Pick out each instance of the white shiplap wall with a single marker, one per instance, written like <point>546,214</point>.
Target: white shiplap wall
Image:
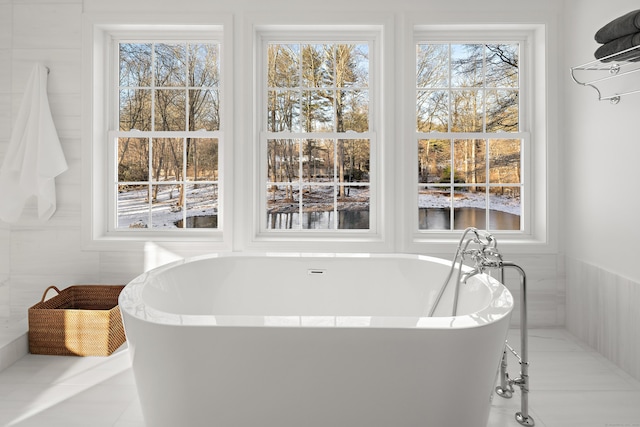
<point>601,234</point>
<point>603,310</point>
<point>34,255</point>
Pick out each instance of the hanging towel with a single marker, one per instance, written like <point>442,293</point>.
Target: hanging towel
<point>34,156</point>
<point>619,45</point>
<point>619,27</point>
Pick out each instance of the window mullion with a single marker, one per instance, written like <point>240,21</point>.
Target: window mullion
<point>184,181</point>
<point>450,97</point>
<point>300,182</point>
<point>153,87</point>
<point>452,180</point>
<point>187,123</point>
<point>487,184</point>
<point>336,188</point>
<point>319,135</point>
<point>150,183</point>
<point>487,193</point>
<point>485,88</point>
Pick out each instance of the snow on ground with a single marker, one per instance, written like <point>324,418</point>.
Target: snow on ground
<point>133,205</point>
<point>317,199</point>
<point>437,199</point>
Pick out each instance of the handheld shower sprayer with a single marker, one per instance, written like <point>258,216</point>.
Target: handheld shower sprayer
<point>481,248</point>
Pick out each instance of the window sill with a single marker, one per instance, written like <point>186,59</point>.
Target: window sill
<point>188,244</point>
<point>507,243</point>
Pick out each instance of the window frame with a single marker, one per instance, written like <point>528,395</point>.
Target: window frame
<point>115,133</point>
<point>533,236</point>
<point>396,184</point>
<point>354,32</point>
<point>101,34</point>
<point>478,38</point>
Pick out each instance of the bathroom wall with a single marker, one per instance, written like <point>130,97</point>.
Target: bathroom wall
<point>34,255</point>
<point>5,131</point>
<point>601,155</point>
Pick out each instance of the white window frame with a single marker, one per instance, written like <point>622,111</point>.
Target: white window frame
<point>523,135</point>
<point>533,236</point>
<point>100,80</point>
<point>361,29</point>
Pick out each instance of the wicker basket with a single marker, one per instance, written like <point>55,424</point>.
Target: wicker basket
<point>82,320</point>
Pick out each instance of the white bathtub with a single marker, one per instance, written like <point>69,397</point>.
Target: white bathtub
<point>238,340</point>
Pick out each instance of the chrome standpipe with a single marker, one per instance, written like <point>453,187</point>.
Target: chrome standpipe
<point>505,389</point>
<point>481,248</point>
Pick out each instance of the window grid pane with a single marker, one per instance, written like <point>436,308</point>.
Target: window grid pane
<point>157,188</point>
<point>164,181</point>
<point>453,189</point>
<point>472,90</point>
<point>317,183</point>
<point>333,175</point>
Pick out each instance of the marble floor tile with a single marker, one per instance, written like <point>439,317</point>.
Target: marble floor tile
<point>605,408</point>
<point>571,386</point>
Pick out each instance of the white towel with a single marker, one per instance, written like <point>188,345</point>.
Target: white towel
<point>34,157</point>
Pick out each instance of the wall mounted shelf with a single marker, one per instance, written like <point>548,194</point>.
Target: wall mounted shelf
<point>609,76</point>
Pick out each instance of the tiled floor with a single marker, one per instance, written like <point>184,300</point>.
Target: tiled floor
<point>571,386</point>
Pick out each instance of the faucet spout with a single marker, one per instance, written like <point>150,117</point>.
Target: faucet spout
<point>481,248</point>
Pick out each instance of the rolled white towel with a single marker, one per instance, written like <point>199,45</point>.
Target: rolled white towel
<point>34,156</point>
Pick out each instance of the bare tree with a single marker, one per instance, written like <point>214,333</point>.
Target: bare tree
<point>168,87</point>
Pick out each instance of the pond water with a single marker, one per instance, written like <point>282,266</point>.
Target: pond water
<point>440,219</point>
<point>429,219</point>
<point>203,221</point>
<point>352,220</point>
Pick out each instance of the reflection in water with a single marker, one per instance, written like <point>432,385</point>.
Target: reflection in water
<point>430,219</point>
<point>319,220</point>
<point>204,221</point>
<point>440,219</point>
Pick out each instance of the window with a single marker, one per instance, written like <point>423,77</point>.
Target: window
<point>157,121</point>
<point>167,145</point>
<point>336,148</point>
<point>471,141</point>
<point>318,139</point>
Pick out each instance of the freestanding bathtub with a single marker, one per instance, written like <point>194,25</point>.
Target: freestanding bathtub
<point>297,340</point>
